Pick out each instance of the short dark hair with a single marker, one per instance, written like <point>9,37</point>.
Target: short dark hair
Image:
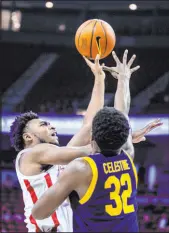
<point>110,129</point>
<point>17,128</point>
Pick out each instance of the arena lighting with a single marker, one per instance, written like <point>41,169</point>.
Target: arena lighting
<point>49,4</point>
<point>14,16</point>
<point>69,125</point>
<point>62,27</point>
<point>17,25</point>
<point>133,7</point>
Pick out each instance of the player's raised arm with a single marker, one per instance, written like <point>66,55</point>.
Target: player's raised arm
<point>50,154</point>
<point>96,103</point>
<point>67,182</point>
<point>123,72</point>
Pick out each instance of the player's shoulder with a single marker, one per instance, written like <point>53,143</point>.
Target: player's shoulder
<point>32,154</point>
<point>80,165</point>
<point>41,147</point>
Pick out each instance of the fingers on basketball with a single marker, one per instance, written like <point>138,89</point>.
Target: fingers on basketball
<point>97,60</point>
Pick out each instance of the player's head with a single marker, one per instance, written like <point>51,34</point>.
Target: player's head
<point>27,130</point>
<point>110,129</point>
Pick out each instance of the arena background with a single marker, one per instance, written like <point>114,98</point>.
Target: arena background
<point>41,70</point>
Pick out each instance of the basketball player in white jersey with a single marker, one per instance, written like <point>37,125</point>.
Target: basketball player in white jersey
<point>40,159</point>
<point>38,146</point>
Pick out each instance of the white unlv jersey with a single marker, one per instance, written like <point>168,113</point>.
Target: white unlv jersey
<point>33,188</point>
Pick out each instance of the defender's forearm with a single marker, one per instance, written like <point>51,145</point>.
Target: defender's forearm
<point>122,96</point>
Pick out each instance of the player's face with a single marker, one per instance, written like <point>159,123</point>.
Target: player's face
<point>43,131</point>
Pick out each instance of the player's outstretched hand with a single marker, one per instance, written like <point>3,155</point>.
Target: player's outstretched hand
<point>95,67</point>
<point>122,68</point>
<point>139,135</point>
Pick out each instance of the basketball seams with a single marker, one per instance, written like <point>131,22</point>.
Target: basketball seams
<point>108,37</point>
<point>105,37</point>
<point>91,42</point>
<point>78,40</point>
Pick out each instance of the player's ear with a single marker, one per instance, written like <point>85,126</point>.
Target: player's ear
<point>27,137</point>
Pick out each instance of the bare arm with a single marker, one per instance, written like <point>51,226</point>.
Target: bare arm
<point>55,195</point>
<point>122,97</point>
<point>123,73</point>
<point>97,98</point>
<point>122,103</point>
<point>50,154</point>
<point>96,103</point>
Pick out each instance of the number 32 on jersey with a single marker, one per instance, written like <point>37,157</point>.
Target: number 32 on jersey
<point>120,200</point>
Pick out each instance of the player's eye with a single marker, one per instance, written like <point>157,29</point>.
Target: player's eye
<point>44,123</point>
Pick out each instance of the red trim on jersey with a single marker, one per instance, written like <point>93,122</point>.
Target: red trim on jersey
<point>49,184</point>
<point>33,221</point>
<point>31,190</point>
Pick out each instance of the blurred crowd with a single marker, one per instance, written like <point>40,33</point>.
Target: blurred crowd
<point>12,210</point>
<point>67,85</point>
<point>64,106</point>
<point>153,218</point>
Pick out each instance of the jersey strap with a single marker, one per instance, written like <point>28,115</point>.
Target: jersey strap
<point>93,183</point>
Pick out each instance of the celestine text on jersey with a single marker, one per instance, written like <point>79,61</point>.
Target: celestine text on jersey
<point>116,166</point>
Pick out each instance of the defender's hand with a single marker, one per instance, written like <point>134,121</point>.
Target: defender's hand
<point>95,67</point>
<point>122,68</point>
<point>139,135</point>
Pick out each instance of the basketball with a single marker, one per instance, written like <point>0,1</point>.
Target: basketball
<point>94,37</point>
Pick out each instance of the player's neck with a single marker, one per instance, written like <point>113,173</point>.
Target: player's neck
<point>30,145</point>
<point>109,152</point>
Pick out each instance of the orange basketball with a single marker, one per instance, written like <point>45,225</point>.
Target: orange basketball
<point>94,37</point>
